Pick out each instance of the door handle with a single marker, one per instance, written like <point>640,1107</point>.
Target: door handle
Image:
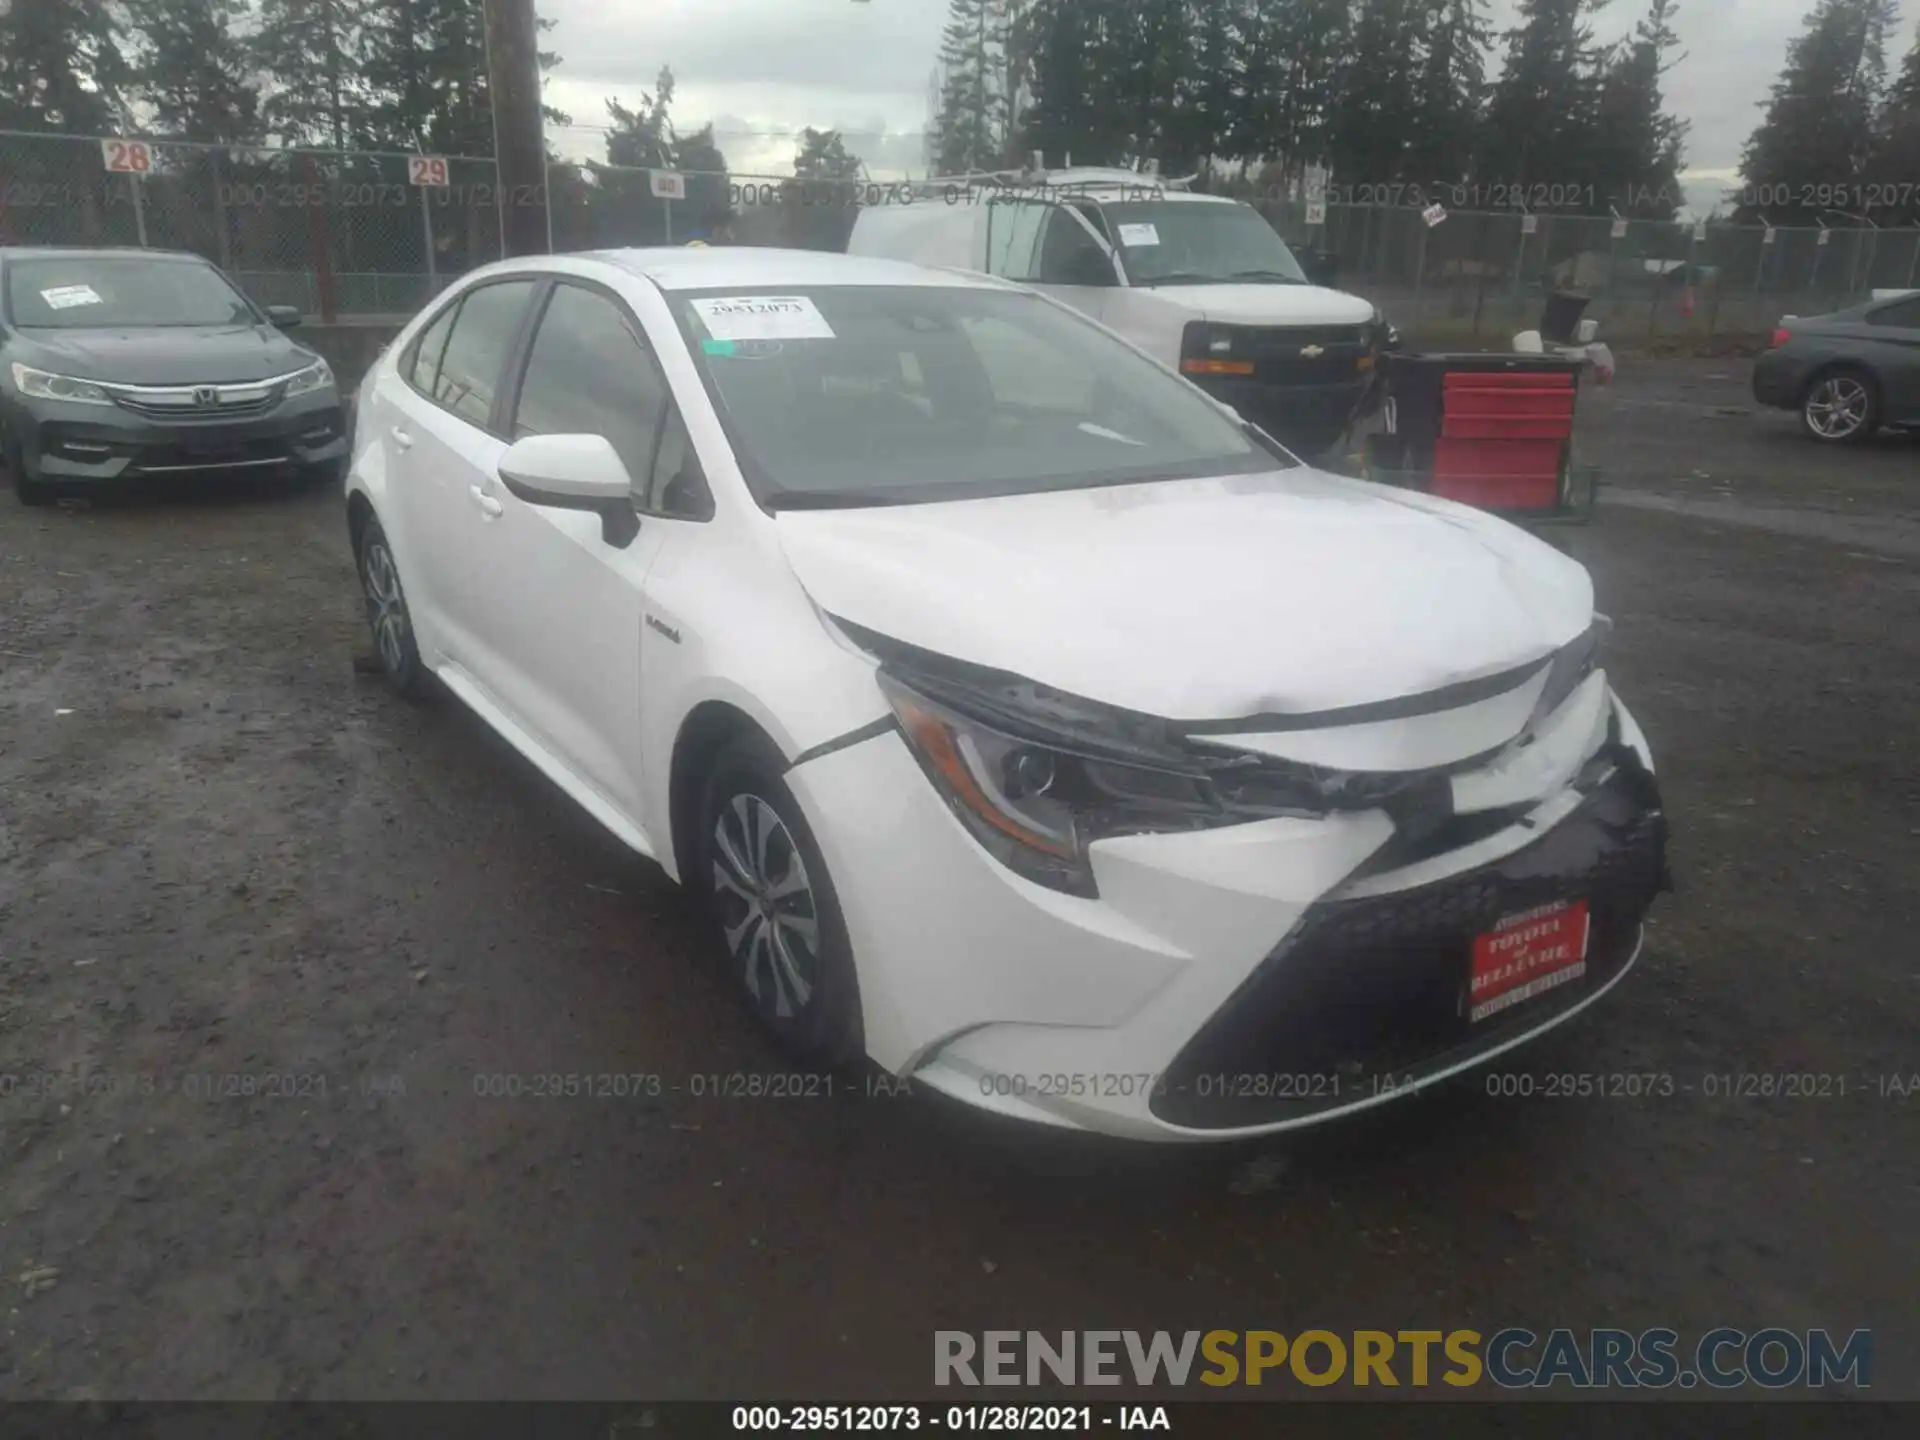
<point>401,438</point>
<point>489,506</point>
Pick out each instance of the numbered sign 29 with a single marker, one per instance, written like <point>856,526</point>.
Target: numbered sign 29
<point>127,157</point>
<point>427,170</point>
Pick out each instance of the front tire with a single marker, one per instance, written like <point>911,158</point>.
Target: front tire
<point>1841,407</point>
<point>764,883</point>
<point>30,489</point>
<point>387,614</point>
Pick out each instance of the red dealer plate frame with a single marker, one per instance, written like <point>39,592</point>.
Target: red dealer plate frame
<point>1526,956</point>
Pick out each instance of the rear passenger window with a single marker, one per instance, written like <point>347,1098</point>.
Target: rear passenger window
<point>476,354</point>
<point>426,355</point>
<point>1903,314</point>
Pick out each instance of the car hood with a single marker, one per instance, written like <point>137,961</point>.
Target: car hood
<point>165,355</point>
<point>1288,592</point>
<point>1274,304</point>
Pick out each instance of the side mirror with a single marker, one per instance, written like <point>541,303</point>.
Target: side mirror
<point>1322,267</point>
<point>574,472</point>
<point>285,316</point>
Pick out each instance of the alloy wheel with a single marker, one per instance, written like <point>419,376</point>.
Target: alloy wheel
<point>386,607</point>
<point>1837,407</point>
<point>767,907</point>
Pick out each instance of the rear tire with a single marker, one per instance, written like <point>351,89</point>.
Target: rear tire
<point>761,879</point>
<point>1840,407</point>
<point>388,616</point>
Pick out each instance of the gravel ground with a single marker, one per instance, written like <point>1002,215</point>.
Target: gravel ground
<point>223,853</point>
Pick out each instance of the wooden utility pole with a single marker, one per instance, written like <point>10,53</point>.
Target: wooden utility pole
<point>519,140</point>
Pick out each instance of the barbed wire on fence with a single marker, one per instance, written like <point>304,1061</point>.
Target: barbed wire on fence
<point>358,233</point>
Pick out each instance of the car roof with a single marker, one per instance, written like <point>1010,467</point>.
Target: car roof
<point>95,252</point>
<point>756,267</point>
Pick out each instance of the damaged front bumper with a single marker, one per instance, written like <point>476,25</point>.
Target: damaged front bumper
<point>1369,995</point>
<point>1255,976</point>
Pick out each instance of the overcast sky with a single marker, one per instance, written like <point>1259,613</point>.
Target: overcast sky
<point>761,69</point>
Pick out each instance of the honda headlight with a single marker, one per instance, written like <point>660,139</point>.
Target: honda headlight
<point>41,385</point>
<point>317,376</point>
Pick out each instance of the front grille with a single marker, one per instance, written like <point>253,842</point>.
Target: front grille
<point>1370,990</point>
<point>1277,359</point>
<point>224,410</point>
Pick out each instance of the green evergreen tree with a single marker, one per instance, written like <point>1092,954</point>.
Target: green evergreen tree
<point>194,70</point>
<point>1377,106</point>
<point>1542,122</point>
<point>1061,40</point>
<point>62,67</point>
<point>1639,143</point>
<point>821,200</point>
<point>310,52</point>
<point>1893,174</point>
<point>1451,93</point>
<point>1294,51</point>
<point>970,132</point>
<point>1820,123</point>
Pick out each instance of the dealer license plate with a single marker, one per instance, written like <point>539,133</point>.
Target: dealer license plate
<point>1526,955</point>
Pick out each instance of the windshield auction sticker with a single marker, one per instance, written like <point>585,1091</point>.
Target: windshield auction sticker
<point>65,297</point>
<point>1136,237</point>
<point>763,317</point>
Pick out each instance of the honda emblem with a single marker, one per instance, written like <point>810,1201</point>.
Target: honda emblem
<point>206,395</point>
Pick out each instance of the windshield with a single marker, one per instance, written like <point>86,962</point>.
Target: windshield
<point>91,292</point>
<point>1195,242</point>
<point>864,395</point>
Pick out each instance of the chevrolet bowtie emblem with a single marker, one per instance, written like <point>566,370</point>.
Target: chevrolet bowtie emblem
<point>1312,352</point>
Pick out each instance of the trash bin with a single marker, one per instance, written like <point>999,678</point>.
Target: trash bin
<point>1560,317</point>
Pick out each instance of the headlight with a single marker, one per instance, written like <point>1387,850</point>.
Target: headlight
<point>44,386</point>
<point>1036,805</point>
<point>317,376</point>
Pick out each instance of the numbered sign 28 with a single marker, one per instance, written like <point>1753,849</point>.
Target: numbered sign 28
<point>127,157</point>
<point>427,170</point>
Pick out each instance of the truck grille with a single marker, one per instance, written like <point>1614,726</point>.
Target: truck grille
<point>1280,357</point>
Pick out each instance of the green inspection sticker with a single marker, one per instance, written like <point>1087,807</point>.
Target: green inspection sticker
<point>718,347</point>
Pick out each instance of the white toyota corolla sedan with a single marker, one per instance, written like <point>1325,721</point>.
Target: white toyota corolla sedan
<point>1024,720</point>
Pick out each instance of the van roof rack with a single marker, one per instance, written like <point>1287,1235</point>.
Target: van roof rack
<point>1079,178</point>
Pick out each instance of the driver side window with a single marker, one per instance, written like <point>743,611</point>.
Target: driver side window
<point>1071,256</point>
<point>588,373</point>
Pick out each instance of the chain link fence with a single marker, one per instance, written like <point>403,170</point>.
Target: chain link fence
<point>373,235</point>
<point>1489,273</point>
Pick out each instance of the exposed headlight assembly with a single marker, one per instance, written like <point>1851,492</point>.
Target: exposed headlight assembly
<point>43,385</point>
<point>1569,670</point>
<point>317,376</point>
<point>1036,804</point>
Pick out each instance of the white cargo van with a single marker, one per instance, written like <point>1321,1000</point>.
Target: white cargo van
<point>1201,282</point>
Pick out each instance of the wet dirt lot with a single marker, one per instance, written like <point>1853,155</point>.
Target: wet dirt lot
<point>225,854</point>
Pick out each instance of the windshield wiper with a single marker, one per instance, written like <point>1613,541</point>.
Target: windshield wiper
<point>1180,277</point>
<point>1279,275</point>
